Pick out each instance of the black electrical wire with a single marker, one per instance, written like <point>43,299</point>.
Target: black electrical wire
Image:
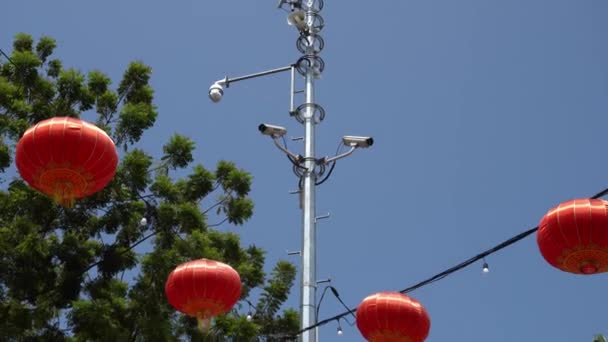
<point>297,168</point>
<point>320,301</point>
<point>331,169</point>
<point>13,63</point>
<point>291,159</point>
<point>7,57</point>
<point>448,271</point>
<point>337,295</point>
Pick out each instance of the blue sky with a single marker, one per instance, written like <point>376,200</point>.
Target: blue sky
<point>485,115</point>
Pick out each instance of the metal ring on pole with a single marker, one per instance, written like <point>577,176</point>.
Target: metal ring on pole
<point>315,5</point>
<point>318,112</point>
<point>303,43</point>
<point>315,24</point>
<point>310,61</point>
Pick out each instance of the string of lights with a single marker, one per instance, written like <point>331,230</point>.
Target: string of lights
<point>445,273</point>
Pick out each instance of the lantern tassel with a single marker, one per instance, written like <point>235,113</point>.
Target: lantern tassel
<point>63,195</point>
<point>204,322</point>
<point>67,202</point>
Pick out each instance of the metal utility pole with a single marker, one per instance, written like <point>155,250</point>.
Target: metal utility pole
<point>308,302</point>
<point>305,16</point>
<point>313,62</point>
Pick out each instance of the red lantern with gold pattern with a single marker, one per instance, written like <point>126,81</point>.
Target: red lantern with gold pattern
<point>66,158</point>
<point>574,236</point>
<point>392,317</point>
<point>203,289</point>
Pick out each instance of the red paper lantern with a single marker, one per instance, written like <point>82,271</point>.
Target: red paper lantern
<point>203,289</point>
<point>66,158</point>
<point>392,317</point>
<point>574,236</point>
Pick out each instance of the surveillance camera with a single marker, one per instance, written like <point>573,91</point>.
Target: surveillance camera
<point>297,19</point>
<point>272,130</point>
<point>355,141</point>
<point>216,91</point>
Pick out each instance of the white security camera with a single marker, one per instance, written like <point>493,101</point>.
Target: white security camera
<point>297,19</point>
<point>354,141</point>
<point>216,91</point>
<point>272,130</point>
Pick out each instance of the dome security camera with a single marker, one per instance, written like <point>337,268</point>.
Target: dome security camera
<point>216,91</point>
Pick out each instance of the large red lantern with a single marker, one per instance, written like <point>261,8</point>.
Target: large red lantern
<point>392,317</point>
<point>203,289</point>
<point>574,236</point>
<point>66,158</point>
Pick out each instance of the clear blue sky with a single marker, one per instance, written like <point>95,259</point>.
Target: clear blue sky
<point>485,114</point>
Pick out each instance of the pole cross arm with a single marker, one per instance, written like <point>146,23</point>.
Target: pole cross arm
<point>216,91</point>
<point>295,157</point>
<point>327,160</point>
<point>258,74</point>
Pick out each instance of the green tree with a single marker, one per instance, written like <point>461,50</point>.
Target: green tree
<point>62,270</point>
<point>599,338</point>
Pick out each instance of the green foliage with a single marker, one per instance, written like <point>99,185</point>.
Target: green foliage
<point>138,112</point>
<point>5,156</point>
<point>273,296</point>
<point>134,170</point>
<point>54,68</point>
<point>199,184</point>
<point>599,338</point>
<point>45,48</point>
<point>23,42</point>
<point>96,272</point>
<point>266,320</point>
<point>98,83</point>
<point>178,151</point>
<point>133,120</point>
<point>71,92</point>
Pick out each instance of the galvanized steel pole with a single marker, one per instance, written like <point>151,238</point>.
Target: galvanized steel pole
<point>309,231</point>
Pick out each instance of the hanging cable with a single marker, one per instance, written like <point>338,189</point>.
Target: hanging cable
<point>335,293</point>
<point>450,270</point>
<point>321,300</point>
<point>331,169</point>
<point>7,57</point>
<point>295,163</point>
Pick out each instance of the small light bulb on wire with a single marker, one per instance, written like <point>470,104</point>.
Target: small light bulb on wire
<point>340,332</point>
<point>485,268</point>
<point>143,221</point>
<point>249,316</point>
